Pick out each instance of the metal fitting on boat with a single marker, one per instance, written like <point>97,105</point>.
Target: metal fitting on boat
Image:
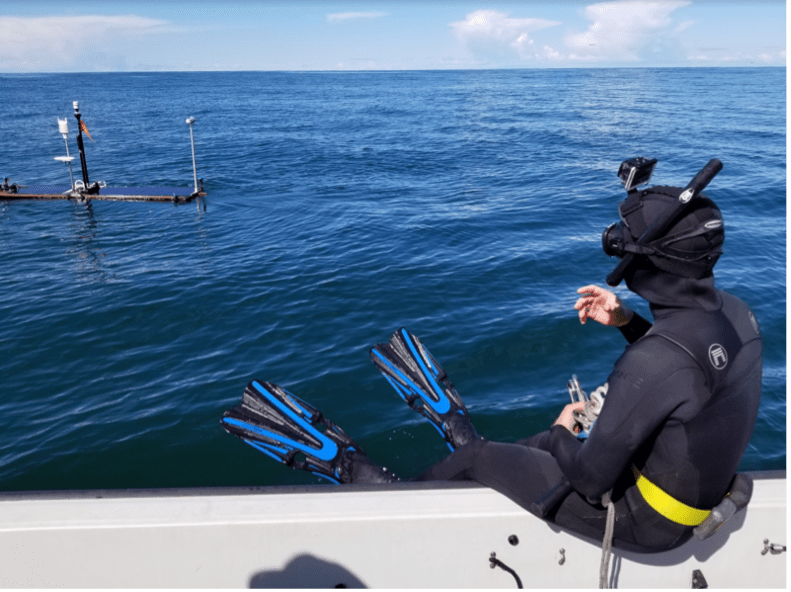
<point>772,548</point>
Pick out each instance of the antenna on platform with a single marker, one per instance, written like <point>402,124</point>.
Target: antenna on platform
<point>87,188</point>
<point>63,128</point>
<point>190,121</point>
<point>80,144</point>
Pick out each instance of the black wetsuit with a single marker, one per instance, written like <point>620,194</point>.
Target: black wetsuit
<point>669,411</point>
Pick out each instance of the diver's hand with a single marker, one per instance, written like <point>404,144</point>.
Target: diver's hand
<point>566,417</point>
<point>602,306</point>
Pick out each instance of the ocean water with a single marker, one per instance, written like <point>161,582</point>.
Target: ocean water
<point>467,206</point>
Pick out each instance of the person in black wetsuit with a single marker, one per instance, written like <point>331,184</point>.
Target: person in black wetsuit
<point>681,401</point>
<point>681,404</point>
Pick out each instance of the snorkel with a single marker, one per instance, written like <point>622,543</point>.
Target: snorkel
<point>637,171</point>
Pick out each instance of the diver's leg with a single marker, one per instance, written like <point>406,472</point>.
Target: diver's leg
<point>539,440</point>
<point>525,474</point>
<point>456,466</point>
<point>521,473</point>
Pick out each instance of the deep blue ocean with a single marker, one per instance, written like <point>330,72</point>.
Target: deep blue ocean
<point>467,206</point>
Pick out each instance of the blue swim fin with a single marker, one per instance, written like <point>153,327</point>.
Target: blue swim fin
<point>419,379</point>
<point>279,424</point>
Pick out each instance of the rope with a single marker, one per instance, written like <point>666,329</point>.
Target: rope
<point>606,546</point>
<point>586,417</point>
<point>593,404</point>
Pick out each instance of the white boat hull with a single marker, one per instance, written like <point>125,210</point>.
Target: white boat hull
<point>404,536</point>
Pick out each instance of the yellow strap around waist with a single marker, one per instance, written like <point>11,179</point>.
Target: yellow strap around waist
<point>667,505</point>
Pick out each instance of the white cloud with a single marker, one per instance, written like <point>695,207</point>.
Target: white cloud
<point>732,56</point>
<point>490,23</point>
<point>59,42</point>
<point>582,58</point>
<point>346,16</point>
<point>630,30</point>
<point>550,54</point>
<point>495,34</point>
<point>773,57</point>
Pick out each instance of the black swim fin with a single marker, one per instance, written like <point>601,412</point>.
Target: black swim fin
<point>279,424</point>
<point>419,379</point>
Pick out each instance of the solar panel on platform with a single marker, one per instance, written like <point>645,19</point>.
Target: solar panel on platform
<point>43,189</point>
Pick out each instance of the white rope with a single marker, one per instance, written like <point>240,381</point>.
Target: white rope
<point>606,546</point>
<point>585,418</point>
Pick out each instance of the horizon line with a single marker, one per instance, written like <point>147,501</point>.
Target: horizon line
<point>362,70</point>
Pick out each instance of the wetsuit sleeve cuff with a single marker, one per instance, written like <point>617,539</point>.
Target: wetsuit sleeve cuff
<point>635,329</point>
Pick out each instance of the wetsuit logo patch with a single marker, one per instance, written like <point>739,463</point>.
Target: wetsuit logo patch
<point>718,356</point>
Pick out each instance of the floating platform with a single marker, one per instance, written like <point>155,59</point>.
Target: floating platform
<point>163,194</point>
<point>82,189</point>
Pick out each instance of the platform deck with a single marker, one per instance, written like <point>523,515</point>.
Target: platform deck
<point>180,194</point>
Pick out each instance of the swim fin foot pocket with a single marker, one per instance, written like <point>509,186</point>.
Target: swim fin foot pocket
<point>419,379</point>
<point>286,428</point>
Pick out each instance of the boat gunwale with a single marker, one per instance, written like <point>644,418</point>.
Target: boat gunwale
<point>317,488</point>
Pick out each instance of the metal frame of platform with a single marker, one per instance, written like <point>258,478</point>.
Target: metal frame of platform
<point>162,194</point>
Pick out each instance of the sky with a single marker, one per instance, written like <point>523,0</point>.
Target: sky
<point>204,35</point>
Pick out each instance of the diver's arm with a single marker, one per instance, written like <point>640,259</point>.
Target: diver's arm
<point>644,390</point>
<point>635,328</point>
<point>566,417</point>
<point>604,307</point>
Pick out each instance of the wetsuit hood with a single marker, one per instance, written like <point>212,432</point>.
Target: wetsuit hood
<point>675,270</point>
<point>665,290</point>
<point>689,247</point>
